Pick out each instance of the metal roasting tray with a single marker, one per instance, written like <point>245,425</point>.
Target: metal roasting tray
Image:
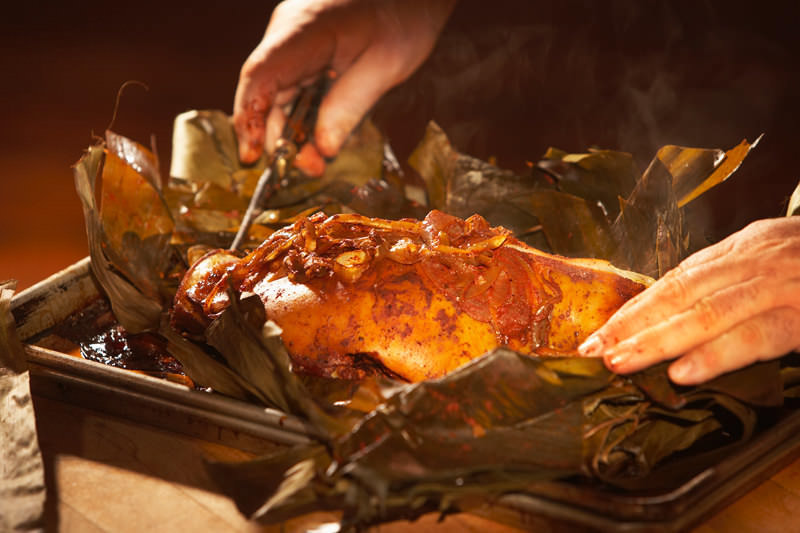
<point>553,506</point>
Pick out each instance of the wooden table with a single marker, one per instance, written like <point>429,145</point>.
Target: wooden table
<point>109,474</point>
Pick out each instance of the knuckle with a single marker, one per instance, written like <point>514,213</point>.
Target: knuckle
<point>751,293</point>
<point>759,227</point>
<point>751,334</point>
<point>768,233</point>
<point>708,312</point>
<point>787,254</point>
<point>676,285</point>
<point>785,328</point>
<point>285,12</point>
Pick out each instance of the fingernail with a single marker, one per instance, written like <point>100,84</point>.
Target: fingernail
<point>680,371</point>
<point>326,143</point>
<point>249,152</point>
<point>591,347</point>
<point>329,140</point>
<point>618,359</point>
<point>309,161</point>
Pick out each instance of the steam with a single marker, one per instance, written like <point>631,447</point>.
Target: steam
<point>514,78</point>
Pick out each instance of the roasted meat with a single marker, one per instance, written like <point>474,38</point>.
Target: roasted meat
<point>412,299</point>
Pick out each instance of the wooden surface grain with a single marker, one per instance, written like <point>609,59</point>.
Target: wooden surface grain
<point>110,475</point>
<point>106,474</point>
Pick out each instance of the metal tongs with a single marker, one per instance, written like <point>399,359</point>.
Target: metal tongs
<point>296,132</point>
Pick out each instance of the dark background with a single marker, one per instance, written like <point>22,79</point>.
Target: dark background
<point>507,79</point>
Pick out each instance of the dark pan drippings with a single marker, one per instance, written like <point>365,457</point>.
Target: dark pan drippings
<point>94,334</point>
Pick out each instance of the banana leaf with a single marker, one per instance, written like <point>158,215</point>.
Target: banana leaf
<point>500,424</point>
<point>597,176</point>
<point>794,203</point>
<point>790,375</point>
<point>204,150</point>
<point>134,301</point>
<point>650,231</point>
<point>593,204</point>
<point>583,232</point>
<point>689,185</point>
<point>218,187</point>
<point>463,185</point>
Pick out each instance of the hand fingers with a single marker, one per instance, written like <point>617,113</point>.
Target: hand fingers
<point>404,35</point>
<point>283,59</point>
<point>353,94</point>
<point>309,161</point>
<point>681,288</point>
<point>760,338</point>
<point>274,127</point>
<point>698,275</point>
<point>710,317</point>
<point>727,263</point>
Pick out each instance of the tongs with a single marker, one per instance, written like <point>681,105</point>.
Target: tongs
<point>296,132</point>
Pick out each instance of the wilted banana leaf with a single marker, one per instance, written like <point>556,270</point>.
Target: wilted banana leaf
<point>633,435</point>
<point>689,185</point>
<point>794,203</point>
<point>206,370</point>
<point>597,205</point>
<point>477,418</point>
<point>463,185</point>
<point>573,226</point>
<point>649,229</point>
<point>136,310</point>
<point>650,232</point>
<point>597,176</point>
<point>433,442</point>
<point>136,220</point>
<point>572,199</point>
<point>360,159</point>
<point>689,167</point>
<point>498,425</point>
<point>259,357</point>
<point>205,158</point>
<point>204,150</point>
<point>790,375</point>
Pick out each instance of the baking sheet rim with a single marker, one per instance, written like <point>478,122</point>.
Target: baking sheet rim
<point>680,507</point>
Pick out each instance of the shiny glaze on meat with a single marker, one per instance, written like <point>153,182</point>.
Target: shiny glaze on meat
<point>416,298</point>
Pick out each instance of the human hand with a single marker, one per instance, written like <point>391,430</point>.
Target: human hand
<point>370,45</point>
<point>727,306</point>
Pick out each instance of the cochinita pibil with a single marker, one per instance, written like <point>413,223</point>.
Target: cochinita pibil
<point>413,299</point>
